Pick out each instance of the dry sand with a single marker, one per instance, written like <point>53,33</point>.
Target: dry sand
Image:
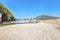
<point>39,31</point>
<point>53,21</point>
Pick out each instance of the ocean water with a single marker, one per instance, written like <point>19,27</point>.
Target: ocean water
<point>24,23</point>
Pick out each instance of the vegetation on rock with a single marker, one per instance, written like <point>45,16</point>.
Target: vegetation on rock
<point>6,15</point>
<point>45,17</point>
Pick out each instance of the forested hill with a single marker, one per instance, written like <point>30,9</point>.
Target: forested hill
<point>45,17</point>
<point>6,14</point>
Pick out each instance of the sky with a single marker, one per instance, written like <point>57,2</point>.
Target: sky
<point>32,8</point>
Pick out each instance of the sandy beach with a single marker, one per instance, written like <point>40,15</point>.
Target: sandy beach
<point>38,31</point>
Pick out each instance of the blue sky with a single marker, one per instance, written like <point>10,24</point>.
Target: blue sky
<point>32,8</point>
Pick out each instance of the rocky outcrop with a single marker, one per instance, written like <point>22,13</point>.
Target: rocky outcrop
<point>6,15</point>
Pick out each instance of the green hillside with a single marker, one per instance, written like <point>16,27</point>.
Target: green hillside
<point>45,17</point>
<point>6,15</point>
